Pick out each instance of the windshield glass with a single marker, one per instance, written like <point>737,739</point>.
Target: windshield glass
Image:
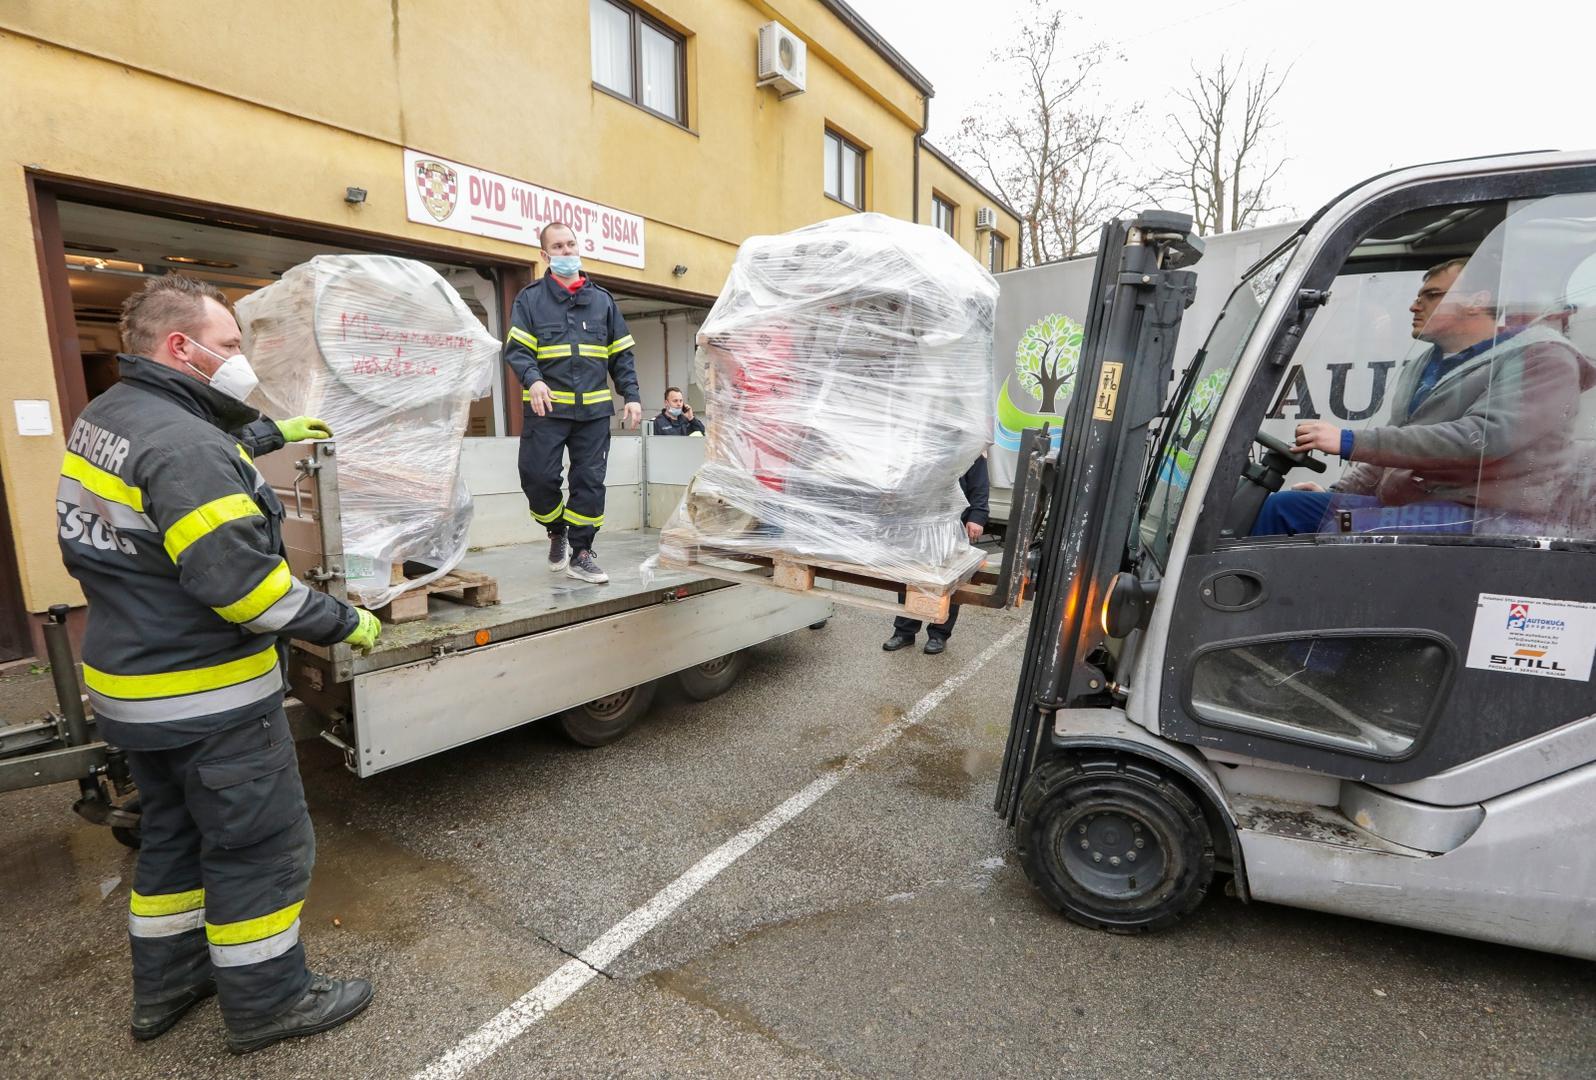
<point>1186,431</point>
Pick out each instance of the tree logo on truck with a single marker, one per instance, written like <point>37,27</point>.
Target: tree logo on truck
<point>1047,356</point>
<point>1045,361</point>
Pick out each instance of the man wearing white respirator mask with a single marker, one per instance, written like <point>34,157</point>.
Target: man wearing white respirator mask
<point>176,539</point>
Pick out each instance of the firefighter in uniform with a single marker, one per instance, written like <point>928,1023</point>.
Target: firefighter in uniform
<point>567,341</point>
<point>177,542</point>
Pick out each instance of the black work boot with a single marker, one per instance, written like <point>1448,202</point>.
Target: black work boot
<point>898,641</point>
<point>157,1019</point>
<point>326,1004</point>
<point>935,645</point>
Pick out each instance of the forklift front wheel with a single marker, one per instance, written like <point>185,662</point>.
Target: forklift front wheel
<point>1113,843</point>
<point>605,719</point>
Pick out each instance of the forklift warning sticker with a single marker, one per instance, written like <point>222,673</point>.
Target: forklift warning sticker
<point>1107,392</point>
<point>1526,635</point>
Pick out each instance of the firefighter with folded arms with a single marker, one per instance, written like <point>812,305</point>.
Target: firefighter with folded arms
<point>567,341</point>
<point>177,542</point>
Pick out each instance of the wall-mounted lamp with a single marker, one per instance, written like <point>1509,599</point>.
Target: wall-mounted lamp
<point>678,270</point>
<point>354,196</point>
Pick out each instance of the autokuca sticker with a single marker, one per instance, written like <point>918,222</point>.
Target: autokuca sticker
<point>1529,635</point>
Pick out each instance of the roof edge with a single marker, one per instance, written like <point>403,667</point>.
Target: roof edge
<point>959,171</point>
<point>855,22</point>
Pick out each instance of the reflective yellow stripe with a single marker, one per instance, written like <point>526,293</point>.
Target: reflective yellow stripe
<point>582,519</point>
<point>521,336</point>
<point>596,396</point>
<point>598,351</point>
<point>167,903</point>
<point>207,519</point>
<point>107,486</point>
<point>564,397</point>
<point>174,683</point>
<point>621,344</point>
<point>544,519</point>
<point>273,587</point>
<point>244,454</point>
<point>240,933</point>
<point>549,352</point>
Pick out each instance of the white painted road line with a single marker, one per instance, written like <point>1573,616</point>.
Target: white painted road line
<point>571,976</point>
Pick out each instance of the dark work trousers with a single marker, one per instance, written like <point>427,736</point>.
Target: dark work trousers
<point>544,441</point>
<point>941,630</point>
<point>222,871</point>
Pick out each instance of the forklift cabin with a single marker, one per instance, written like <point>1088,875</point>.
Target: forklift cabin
<point>1384,709</point>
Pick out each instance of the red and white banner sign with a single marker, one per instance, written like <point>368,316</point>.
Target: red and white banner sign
<point>470,200</point>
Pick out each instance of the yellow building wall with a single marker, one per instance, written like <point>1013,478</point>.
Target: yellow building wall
<point>277,108</point>
<point>937,179</point>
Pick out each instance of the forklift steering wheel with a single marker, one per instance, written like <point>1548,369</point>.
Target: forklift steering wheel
<point>1299,459</point>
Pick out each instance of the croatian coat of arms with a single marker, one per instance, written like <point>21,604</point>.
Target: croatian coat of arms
<point>438,185</point>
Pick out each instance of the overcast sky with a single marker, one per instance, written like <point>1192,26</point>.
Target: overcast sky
<point>1374,83</point>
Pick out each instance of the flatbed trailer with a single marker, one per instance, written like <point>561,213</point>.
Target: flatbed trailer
<point>552,646</point>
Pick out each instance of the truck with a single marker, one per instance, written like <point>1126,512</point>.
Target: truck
<point>1386,713</point>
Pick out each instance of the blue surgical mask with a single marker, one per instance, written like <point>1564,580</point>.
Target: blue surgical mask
<point>566,266</point>
<point>672,413</point>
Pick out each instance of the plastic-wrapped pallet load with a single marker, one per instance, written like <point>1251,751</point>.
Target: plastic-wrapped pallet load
<point>847,371</point>
<point>386,352</point>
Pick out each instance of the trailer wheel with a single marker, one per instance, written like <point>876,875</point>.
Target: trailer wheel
<point>605,719</point>
<point>128,835</point>
<point>1113,843</point>
<point>713,678</point>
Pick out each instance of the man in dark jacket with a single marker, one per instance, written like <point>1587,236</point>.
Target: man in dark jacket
<point>677,418</point>
<point>176,539</point>
<point>977,488</point>
<point>567,341</point>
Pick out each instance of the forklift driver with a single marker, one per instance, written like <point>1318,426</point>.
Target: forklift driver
<point>1479,438</point>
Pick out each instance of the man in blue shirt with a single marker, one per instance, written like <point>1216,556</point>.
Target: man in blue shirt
<point>1480,423</point>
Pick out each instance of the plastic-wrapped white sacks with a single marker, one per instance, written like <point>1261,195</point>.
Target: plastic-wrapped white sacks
<point>386,352</point>
<point>847,372</point>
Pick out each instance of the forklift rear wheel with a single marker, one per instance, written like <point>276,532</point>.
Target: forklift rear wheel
<point>128,835</point>
<point>713,678</point>
<point>1114,843</point>
<point>605,719</point>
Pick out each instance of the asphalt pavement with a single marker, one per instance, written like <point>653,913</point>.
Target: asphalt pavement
<point>883,930</point>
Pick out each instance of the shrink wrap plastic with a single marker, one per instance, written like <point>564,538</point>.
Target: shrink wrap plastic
<point>385,351</point>
<point>847,372</point>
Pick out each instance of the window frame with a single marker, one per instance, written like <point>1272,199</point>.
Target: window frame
<point>939,206</point>
<point>997,250</point>
<point>637,19</point>
<point>844,143</point>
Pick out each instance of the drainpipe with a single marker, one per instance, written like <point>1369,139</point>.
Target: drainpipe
<point>919,137</point>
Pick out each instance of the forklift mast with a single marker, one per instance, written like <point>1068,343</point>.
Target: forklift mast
<point>1141,286</point>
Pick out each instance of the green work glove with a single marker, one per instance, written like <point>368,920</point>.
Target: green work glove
<point>300,428</point>
<point>366,632</point>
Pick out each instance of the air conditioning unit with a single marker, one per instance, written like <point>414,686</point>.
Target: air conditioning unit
<point>985,218</point>
<point>782,61</point>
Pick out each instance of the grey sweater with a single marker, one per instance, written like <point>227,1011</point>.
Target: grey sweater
<point>1496,432</point>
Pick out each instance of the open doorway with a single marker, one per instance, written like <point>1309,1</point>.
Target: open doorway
<point>110,253</point>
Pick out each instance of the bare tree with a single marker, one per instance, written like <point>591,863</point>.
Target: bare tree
<point>1043,145</point>
<point>1224,148</point>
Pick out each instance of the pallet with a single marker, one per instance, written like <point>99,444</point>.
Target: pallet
<point>463,586</point>
<point>792,574</point>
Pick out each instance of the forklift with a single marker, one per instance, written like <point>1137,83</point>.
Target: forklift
<point>1388,714</point>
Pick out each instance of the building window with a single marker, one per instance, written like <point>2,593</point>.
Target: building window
<point>995,249</point>
<point>639,59</point>
<point>844,170</point>
<point>942,214</point>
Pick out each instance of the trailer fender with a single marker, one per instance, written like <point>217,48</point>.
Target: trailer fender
<point>1109,729</point>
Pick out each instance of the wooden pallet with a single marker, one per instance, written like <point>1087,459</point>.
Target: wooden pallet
<point>464,586</point>
<point>801,575</point>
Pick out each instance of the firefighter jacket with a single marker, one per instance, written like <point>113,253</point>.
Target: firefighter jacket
<point>574,342</point>
<point>176,539</point>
